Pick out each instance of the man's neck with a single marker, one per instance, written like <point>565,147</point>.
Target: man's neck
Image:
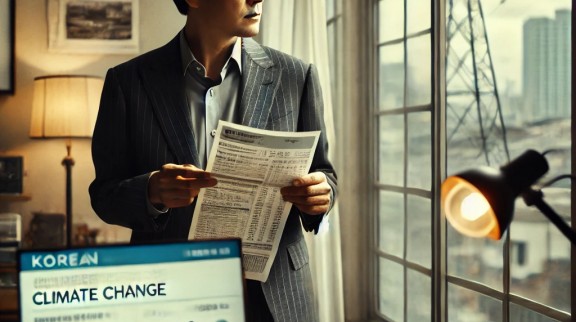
<point>211,51</point>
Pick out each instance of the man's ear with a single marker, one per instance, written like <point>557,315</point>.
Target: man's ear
<point>193,3</point>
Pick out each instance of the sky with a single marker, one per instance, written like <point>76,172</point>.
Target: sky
<point>504,20</point>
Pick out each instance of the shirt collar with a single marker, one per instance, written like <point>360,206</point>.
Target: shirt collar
<point>189,61</point>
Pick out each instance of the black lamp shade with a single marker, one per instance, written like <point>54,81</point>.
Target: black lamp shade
<point>480,202</point>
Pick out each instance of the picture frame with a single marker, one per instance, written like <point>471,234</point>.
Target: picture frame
<point>93,26</point>
<point>11,175</point>
<point>7,23</point>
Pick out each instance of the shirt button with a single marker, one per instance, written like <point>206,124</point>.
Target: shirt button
<point>211,92</point>
<point>213,133</point>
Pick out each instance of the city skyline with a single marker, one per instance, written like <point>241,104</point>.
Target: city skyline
<point>504,22</point>
<point>546,60</point>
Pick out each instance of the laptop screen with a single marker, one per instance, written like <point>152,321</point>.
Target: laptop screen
<point>185,281</point>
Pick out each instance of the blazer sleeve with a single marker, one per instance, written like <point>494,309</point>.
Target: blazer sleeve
<point>311,118</point>
<point>118,194</point>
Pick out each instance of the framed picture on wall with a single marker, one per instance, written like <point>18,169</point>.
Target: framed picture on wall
<point>93,26</point>
<point>11,174</point>
<point>7,17</point>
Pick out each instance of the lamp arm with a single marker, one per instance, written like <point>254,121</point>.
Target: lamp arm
<point>535,198</point>
<point>558,150</point>
<point>558,178</point>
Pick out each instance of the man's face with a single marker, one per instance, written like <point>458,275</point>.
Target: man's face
<point>236,18</point>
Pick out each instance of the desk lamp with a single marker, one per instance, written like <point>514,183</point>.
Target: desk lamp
<point>480,202</point>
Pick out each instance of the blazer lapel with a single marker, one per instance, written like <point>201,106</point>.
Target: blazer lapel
<point>163,80</point>
<point>259,84</point>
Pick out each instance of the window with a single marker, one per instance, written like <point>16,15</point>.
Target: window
<point>403,189</point>
<point>507,89</point>
<point>522,78</point>
<point>518,253</point>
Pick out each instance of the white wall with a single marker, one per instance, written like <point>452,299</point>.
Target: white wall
<point>159,21</point>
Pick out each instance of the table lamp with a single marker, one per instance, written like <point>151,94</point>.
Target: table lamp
<point>480,202</point>
<point>65,106</point>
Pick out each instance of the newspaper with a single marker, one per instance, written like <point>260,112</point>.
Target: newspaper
<point>251,166</point>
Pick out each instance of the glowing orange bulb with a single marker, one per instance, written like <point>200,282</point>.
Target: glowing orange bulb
<point>474,206</point>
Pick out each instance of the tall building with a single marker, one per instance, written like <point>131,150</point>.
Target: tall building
<point>546,67</point>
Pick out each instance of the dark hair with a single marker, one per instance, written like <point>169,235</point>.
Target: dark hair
<point>182,6</point>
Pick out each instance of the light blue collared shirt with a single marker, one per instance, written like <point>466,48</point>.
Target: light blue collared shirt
<point>210,100</point>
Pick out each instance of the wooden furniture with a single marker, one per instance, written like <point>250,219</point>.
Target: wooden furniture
<point>14,197</point>
<point>9,311</point>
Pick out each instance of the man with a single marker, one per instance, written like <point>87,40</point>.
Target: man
<point>154,132</point>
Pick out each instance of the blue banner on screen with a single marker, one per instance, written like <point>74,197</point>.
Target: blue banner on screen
<point>188,281</point>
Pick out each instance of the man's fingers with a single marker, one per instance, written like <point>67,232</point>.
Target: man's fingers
<point>311,193</point>
<point>185,171</point>
<point>309,201</point>
<point>177,185</point>
<point>188,183</point>
<point>310,179</point>
<point>179,194</point>
<point>314,190</point>
<point>198,183</point>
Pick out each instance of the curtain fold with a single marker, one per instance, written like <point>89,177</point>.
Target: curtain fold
<point>298,27</point>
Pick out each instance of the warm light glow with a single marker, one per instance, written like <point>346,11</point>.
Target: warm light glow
<point>480,202</point>
<point>474,206</point>
<point>65,106</point>
<point>467,210</point>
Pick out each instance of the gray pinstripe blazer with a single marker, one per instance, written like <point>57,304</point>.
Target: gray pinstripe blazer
<point>144,122</point>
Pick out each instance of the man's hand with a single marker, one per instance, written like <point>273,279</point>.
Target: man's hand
<point>310,193</point>
<point>177,185</point>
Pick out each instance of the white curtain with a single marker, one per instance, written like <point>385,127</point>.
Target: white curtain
<point>298,27</point>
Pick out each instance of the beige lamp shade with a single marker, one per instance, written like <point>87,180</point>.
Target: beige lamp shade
<point>65,106</point>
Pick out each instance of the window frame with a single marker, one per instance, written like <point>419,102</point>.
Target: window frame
<point>440,278</point>
<point>437,267</point>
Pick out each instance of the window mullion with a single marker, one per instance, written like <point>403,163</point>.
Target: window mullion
<point>439,284</point>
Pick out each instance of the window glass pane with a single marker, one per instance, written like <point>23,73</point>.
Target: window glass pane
<point>330,8</point>
<point>466,306</point>
<point>522,79</point>
<point>419,306</point>
<point>476,259</point>
<point>391,150</point>
<point>391,223</point>
<point>419,241</point>
<point>540,255</point>
<point>390,20</point>
<point>419,71</point>
<point>391,76</point>
<point>520,314</point>
<point>391,290</point>
<point>332,55</point>
<point>420,150</point>
<point>418,16</point>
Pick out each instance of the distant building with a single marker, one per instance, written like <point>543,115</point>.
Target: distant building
<point>546,76</point>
